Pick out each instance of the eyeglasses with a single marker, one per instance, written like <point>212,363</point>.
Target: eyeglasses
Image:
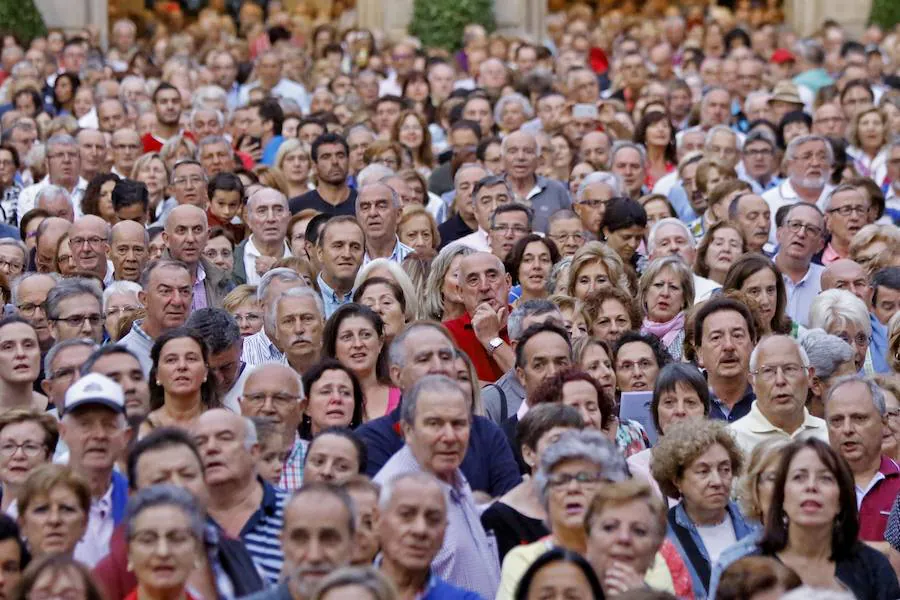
<point>628,365</point>
<point>860,339</point>
<point>77,320</point>
<point>278,400</point>
<point>769,372</point>
<point>893,413</point>
<point>758,153</point>
<point>28,308</point>
<point>29,449</point>
<point>562,237</point>
<point>796,226</point>
<point>182,181</point>
<point>581,478</point>
<point>593,203</point>
<point>93,241</point>
<point>846,211</point>
<point>64,372</point>
<point>12,265</point>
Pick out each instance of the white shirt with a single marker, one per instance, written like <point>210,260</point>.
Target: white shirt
<point>703,288</point>
<point>665,183</point>
<point>95,543</point>
<point>251,253</point>
<point>477,240</point>
<point>784,194</point>
<point>28,196</point>
<point>285,88</point>
<point>717,537</point>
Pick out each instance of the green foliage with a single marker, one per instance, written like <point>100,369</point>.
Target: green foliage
<point>885,13</point>
<point>22,18</point>
<point>440,23</point>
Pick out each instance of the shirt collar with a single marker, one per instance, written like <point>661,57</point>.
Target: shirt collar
<point>326,289</point>
<point>760,424</point>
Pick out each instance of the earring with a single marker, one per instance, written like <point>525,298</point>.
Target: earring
<point>129,567</point>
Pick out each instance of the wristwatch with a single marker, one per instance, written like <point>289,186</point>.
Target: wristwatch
<point>494,344</point>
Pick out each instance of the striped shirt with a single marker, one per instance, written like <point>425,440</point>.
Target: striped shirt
<point>292,473</point>
<point>262,532</point>
<point>259,350</point>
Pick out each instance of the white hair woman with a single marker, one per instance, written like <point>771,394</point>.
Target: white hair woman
<point>841,313</point>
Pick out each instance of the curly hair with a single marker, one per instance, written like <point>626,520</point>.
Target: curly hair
<point>683,443</point>
<point>593,303</point>
<point>593,252</point>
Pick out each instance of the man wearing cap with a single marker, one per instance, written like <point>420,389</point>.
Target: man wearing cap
<point>781,64</point>
<point>785,98</point>
<point>93,426</point>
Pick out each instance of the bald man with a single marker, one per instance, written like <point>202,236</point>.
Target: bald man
<point>128,250</point>
<point>185,235</point>
<point>268,216</point>
<point>89,242</point>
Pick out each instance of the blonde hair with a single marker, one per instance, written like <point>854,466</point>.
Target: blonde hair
<point>593,252</point>
<point>272,177</point>
<point>681,270</point>
<point>623,492</point>
<point>414,210</point>
<point>43,479</point>
<point>290,145</point>
<point>764,454</point>
<point>683,443</point>
<point>238,296</point>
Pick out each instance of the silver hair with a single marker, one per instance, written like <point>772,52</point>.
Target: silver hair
<point>207,93</point>
<point>505,141</point>
<point>560,266</point>
<point>14,286</point>
<point>591,446</point>
<point>401,278</point>
<point>59,347</point>
<point>844,187</point>
<point>386,494</point>
<point>754,356</point>
<point>530,308</point>
<point>286,368</point>
<point>50,192</point>
<point>623,145</point>
<point>250,200</point>
<point>433,301</point>
<point>439,384</point>
<point>165,495</point>
<point>465,167</point>
<point>68,288</point>
<point>679,137</point>
<point>722,129</point>
<point>836,308</point>
<point>795,143</point>
<point>604,177</point>
<point>251,436</point>
<point>826,352</point>
<point>61,139</point>
<point>875,392</point>
<point>220,118</point>
<point>19,245</point>
<point>213,139</point>
<point>279,273</point>
<point>397,350</point>
<point>651,239</point>
<point>295,292</point>
<point>395,197</point>
<point>513,98</point>
<point>121,287</point>
<point>373,173</point>
<point>360,127</point>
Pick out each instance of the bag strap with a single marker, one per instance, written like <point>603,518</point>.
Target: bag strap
<point>691,550</point>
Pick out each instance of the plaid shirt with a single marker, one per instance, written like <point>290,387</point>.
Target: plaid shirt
<point>292,473</point>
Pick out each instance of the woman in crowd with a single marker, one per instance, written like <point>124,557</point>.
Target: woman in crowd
<point>624,227</point>
<point>387,300</point>
<point>219,249</point>
<point>529,264</point>
<point>638,358</point>
<point>20,364</point>
<point>334,455</point>
<point>841,313</point>
<point>177,148</point>
<point>680,393</point>
<point>611,312</point>
<point>354,335</point>
<point>518,517</point>
<point>595,265</point>
<point>756,577</point>
<point>97,198</point>
<point>559,573</point>
<point>411,131</point>
<point>594,356</point>
<point>364,583</point>
<point>654,132</point>
<point>467,378</point>
<point>657,207</point>
<point>443,296</point>
<point>890,443</point>
<point>586,459</point>
<point>151,170</point>
<point>242,304</point>
<point>296,232</point>
<point>873,244</point>
<point>573,387</point>
<point>154,514</point>
<point>695,462</point>
<point>181,387</point>
<point>720,247</point>
<point>830,357</point>
<point>418,230</point>
<point>389,270</point>
<point>64,89</point>
<point>383,152</point>
<point>293,160</point>
<point>665,292</point>
<point>578,172</point>
<point>868,137</point>
<point>511,112</point>
<point>57,576</point>
<point>563,156</point>
<point>812,525</point>
<point>64,262</point>
<point>575,318</point>
<point>57,490</point>
<point>334,398</point>
<point>757,276</point>
<point>27,440</point>
<point>120,301</point>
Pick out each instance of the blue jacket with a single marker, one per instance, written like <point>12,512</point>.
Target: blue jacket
<point>489,464</point>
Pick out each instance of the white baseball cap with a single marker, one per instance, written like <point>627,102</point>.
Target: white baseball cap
<point>95,388</point>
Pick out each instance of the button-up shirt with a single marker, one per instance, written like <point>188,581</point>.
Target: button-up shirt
<point>28,196</point>
<point>199,299</point>
<point>399,252</point>
<point>292,472</point>
<point>756,428</point>
<point>801,295</point>
<point>875,501</point>
<point>251,253</point>
<point>259,349</point>
<point>468,556</point>
<point>719,411</point>
<point>95,543</point>
<point>330,299</point>
<point>784,194</point>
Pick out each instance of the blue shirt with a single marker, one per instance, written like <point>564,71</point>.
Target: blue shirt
<point>878,347</point>
<point>801,295</point>
<point>271,149</point>
<point>330,299</point>
<point>679,201</point>
<point>262,532</point>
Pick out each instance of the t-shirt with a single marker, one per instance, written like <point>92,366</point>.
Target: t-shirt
<point>717,537</point>
<point>312,199</point>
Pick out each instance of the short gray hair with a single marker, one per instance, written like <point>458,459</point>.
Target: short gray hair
<point>165,495</point>
<point>121,287</point>
<point>296,292</point>
<point>397,349</point>
<point>430,383</point>
<point>604,177</point>
<point>465,167</point>
<point>388,487</point>
<point>251,436</point>
<point>51,191</point>
<point>876,392</point>
<point>14,286</point>
<point>836,308</point>
<point>220,118</point>
<point>373,173</point>
<point>530,308</point>
<point>217,327</point>
<point>59,347</point>
<point>515,97</point>
<point>19,245</point>
<point>624,145</point>
<point>651,239</point>
<point>588,445</point>
<point>795,143</point>
<point>280,273</point>
<point>722,129</point>
<point>211,140</point>
<point>844,187</point>
<point>383,182</point>
<point>826,352</point>
<point>61,139</point>
<point>67,288</point>
<point>754,356</point>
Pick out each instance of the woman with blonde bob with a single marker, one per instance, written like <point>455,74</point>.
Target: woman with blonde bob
<point>665,292</point>
<point>382,267</point>
<point>872,243</point>
<point>293,160</point>
<point>443,297</point>
<point>418,230</point>
<point>596,265</point>
<point>841,313</point>
<point>53,488</point>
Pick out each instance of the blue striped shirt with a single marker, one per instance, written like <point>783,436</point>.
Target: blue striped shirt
<point>262,532</point>
<point>259,350</point>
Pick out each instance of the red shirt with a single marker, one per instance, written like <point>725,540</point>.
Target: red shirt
<point>876,504</point>
<point>464,336</point>
<point>153,144</point>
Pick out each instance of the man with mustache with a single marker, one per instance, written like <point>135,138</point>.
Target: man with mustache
<point>260,347</point>
<point>94,428</point>
<point>240,502</point>
<point>436,424</point>
<point>297,320</point>
<point>488,194</point>
<point>186,234</point>
<point>846,211</point>
<point>809,161</point>
<point>378,209</point>
<point>799,239</point>
<point>752,215</point>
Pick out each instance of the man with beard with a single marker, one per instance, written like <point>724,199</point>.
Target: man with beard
<point>378,209</point>
<point>846,211</point>
<point>809,159</point>
<point>129,250</point>
<point>333,196</point>
<point>185,235</point>
<point>167,106</point>
<point>89,242</point>
<point>751,213</point>
<point>521,155</point>
<point>340,250</point>
<point>799,239</point>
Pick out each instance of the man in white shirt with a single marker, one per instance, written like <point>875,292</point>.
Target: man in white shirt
<point>489,193</point>
<point>267,217</point>
<point>671,237</point>
<point>63,169</point>
<point>269,77</point>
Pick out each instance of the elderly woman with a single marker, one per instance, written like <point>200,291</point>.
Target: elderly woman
<point>383,268</point>
<point>841,313</point>
<point>293,160</point>
<point>665,292</point>
<point>759,278</point>
<point>571,471</point>
<point>890,443</point>
<point>696,462</point>
<point>511,112</point>
<point>873,244</point>
<point>722,245</point>
<point>389,302</point>
<point>120,302</point>
<point>165,528</point>
<point>575,319</point>
<point>27,440</point>
<point>56,490</point>
<point>680,393</point>
<point>596,265</point>
<point>334,398</point>
<point>831,357</point>
<point>611,312</point>
<point>417,229</point>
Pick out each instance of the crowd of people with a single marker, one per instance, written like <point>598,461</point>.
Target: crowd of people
<point>309,314</point>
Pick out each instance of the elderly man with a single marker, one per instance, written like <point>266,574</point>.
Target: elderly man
<point>241,503</point>
<point>13,257</point>
<point>215,155</point>
<point>628,161</point>
<point>269,69</point>
<point>752,215</point>
<point>223,337</point>
<point>128,250</point>
<point>55,200</point>
<point>188,185</point>
<point>74,309</point>
<point>671,237</point>
<point>89,239</point>
<point>509,224</point>
<point>715,106</point>
<point>567,231</point>
<point>166,296</point>
<point>488,194</point>
<point>340,250</point>
<point>466,558</point>
<point>846,211</point>
<point>318,538</point>
<point>92,145</point>
<point>61,366</point>
<point>799,239</point>
<point>520,154</point>
<point>296,318</point>
<point>724,335</point>
<point>276,392</point>
<point>29,295</point>
<point>111,115</point>
<point>780,376</point>
<point>809,160</point>
<point>63,169</point>
<point>829,120</point>
<point>759,162</point>
<point>464,222</point>
<point>126,149</point>
<point>378,210</point>
<point>260,347</point>
<point>481,331</point>
<point>122,366</point>
<point>206,121</point>
<point>594,192</point>
<point>594,149</point>
<point>93,427</point>
<point>267,216</point>
<point>412,524</point>
<point>186,234</point>
<point>723,145</point>
<point>49,233</point>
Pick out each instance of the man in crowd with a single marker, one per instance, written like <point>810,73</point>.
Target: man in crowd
<point>378,209</point>
<point>167,106</point>
<point>126,149</point>
<point>340,250</point>
<point>567,231</point>
<point>509,224</point>
<point>74,310</point>
<point>758,162</point>
<point>93,147</point>
<point>296,318</point>
<point>671,237</point>
<point>55,200</point>
<point>886,294</point>
<point>594,149</point>
<point>260,347</point>
<point>520,161</point>
<point>799,239</point>
<point>488,194</point>
<point>267,219</point>
<point>186,234</point>
<point>332,195</point>
<point>29,296</point>
<point>128,250</point>
<point>628,161</point>
<point>63,169</point>
<point>122,366</point>
<point>89,242</point>
<point>846,211</point>
<point>465,222</point>
<point>223,338</point>
<point>595,191</point>
<point>61,370</point>
<point>752,215</point>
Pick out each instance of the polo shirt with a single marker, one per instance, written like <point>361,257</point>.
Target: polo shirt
<point>755,428</point>
<point>477,240</point>
<point>719,412</point>
<point>464,335</point>
<point>312,199</point>
<point>876,500</point>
